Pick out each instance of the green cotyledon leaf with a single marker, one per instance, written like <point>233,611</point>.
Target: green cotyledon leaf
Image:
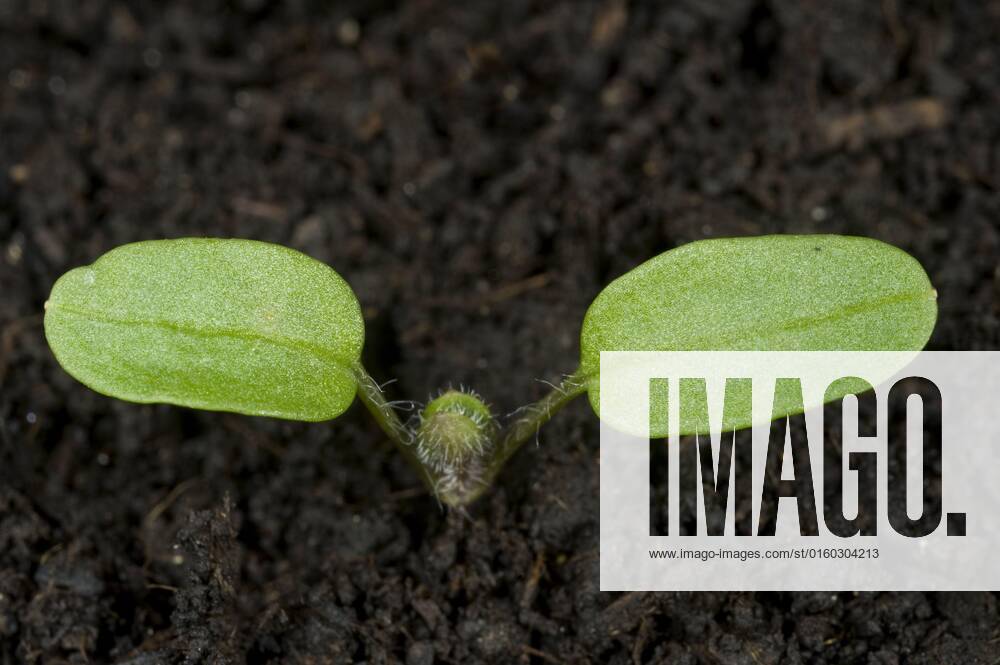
<point>768,293</point>
<point>218,324</point>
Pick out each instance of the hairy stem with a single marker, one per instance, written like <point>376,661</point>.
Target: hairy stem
<point>520,430</point>
<point>530,418</point>
<point>460,484</point>
<point>373,397</point>
<point>385,415</point>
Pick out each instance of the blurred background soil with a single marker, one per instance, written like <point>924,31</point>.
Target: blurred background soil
<point>477,170</point>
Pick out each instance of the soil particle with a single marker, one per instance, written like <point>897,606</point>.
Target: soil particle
<point>206,614</point>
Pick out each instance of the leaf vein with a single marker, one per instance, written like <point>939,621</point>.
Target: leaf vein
<point>289,343</point>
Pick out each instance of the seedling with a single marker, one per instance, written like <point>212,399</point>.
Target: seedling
<point>255,328</point>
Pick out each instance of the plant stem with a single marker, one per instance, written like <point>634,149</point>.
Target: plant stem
<point>385,415</point>
<point>373,397</point>
<point>458,487</point>
<point>533,416</point>
<point>520,430</point>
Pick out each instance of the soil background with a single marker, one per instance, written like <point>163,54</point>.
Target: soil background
<point>477,171</point>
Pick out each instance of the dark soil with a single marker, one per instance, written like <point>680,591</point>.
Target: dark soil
<point>477,170</point>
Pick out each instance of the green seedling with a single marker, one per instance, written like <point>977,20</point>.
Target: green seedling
<point>255,328</point>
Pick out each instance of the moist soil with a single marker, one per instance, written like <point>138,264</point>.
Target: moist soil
<point>477,171</point>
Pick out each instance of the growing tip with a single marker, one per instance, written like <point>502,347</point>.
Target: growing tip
<point>456,428</point>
